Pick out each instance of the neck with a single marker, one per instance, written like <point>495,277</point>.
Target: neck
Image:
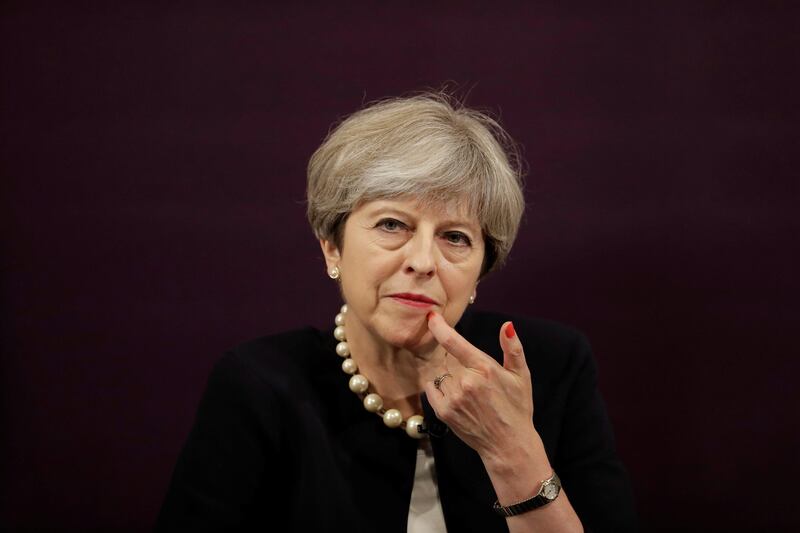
<point>398,374</point>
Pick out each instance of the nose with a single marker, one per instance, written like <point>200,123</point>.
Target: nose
<point>421,254</point>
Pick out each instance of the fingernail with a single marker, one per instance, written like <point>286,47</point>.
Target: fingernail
<point>510,330</point>
<point>429,315</point>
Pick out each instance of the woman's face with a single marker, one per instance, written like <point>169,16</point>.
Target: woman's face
<point>401,260</point>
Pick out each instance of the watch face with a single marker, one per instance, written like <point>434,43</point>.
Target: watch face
<point>550,491</point>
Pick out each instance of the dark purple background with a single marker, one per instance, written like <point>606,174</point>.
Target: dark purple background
<point>153,165</point>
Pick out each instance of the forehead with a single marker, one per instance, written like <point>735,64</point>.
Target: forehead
<point>456,210</point>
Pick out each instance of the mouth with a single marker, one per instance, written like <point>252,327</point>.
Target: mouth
<point>413,300</point>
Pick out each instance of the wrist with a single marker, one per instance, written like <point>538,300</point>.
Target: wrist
<point>517,471</point>
<point>549,490</point>
<point>524,450</point>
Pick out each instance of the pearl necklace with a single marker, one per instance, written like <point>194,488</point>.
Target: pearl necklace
<point>359,384</point>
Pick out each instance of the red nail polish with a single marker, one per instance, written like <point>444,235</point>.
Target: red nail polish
<point>429,315</point>
<point>510,330</point>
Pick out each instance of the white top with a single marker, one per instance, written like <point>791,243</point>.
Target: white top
<point>425,514</point>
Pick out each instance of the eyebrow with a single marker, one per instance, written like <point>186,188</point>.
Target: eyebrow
<point>381,210</point>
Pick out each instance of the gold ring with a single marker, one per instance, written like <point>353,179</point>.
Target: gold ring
<point>437,382</point>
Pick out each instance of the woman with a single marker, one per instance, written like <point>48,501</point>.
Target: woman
<point>414,415</point>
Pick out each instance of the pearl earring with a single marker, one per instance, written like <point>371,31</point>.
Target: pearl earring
<point>472,298</point>
<point>333,273</point>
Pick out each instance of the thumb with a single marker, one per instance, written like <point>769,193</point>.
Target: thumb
<point>513,354</point>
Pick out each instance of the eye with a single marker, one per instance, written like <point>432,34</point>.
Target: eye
<point>457,238</point>
<point>391,225</point>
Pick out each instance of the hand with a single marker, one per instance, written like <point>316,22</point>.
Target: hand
<point>489,406</point>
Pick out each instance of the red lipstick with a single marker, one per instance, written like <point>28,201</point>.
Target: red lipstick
<point>413,300</point>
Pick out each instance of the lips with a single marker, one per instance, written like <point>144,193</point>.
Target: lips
<point>416,300</point>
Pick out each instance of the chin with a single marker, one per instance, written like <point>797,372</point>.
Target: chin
<point>407,335</point>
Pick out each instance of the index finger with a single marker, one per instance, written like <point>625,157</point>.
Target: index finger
<point>455,344</point>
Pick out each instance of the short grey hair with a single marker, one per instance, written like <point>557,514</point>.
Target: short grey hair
<point>428,146</point>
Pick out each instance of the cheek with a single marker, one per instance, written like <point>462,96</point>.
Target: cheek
<point>458,279</point>
<point>383,275</point>
<point>366,274</point>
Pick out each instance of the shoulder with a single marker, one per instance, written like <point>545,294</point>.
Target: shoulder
<point>278,360</point>
<point>545,333</point>
<point>549,346</point>
<point>296,346</point>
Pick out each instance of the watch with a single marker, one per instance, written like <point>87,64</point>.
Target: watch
<point>548,492</point>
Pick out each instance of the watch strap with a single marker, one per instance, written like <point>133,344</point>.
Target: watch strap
<point>532,503</point>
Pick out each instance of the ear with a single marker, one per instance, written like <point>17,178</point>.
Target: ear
<point>331,253</point>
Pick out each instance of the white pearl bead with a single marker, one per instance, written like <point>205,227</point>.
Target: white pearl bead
<point>412,426</point>
<point>392,418</point>
<point>373,403</point>
<point>349,366</point>
<point>343,349</point>
<point>339,333</point>
<point>358,383</point>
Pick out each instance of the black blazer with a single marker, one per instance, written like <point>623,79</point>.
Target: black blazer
<point>280,443</point>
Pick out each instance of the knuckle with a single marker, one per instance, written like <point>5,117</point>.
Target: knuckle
<point>450,342</point>
<point>516,351</point>
<point>456,401</point>
<point>470,385</point>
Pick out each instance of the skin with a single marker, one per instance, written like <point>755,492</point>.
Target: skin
<point>401,246</point>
